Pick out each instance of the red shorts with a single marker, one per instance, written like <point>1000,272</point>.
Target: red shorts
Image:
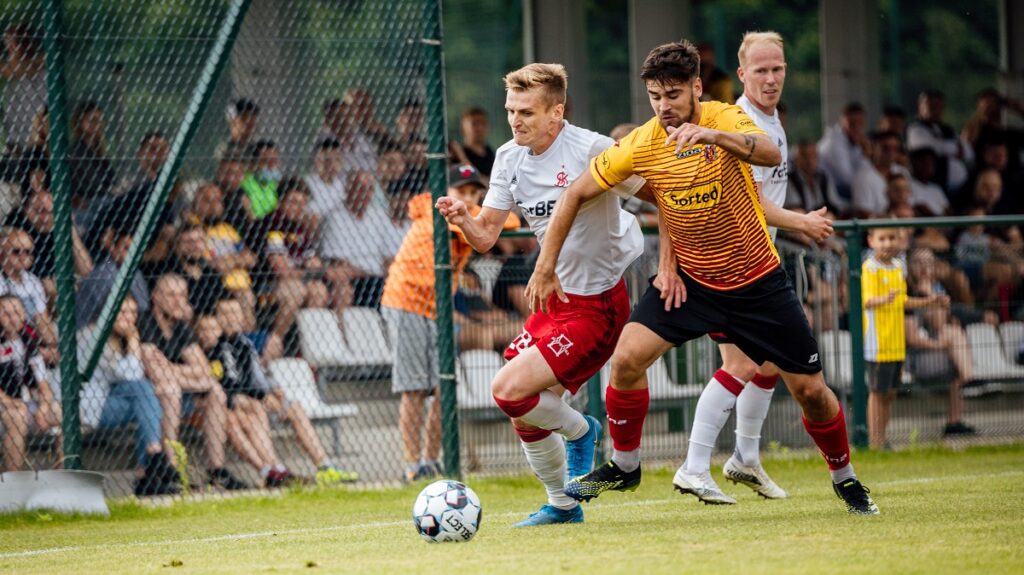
<point>576,338</point>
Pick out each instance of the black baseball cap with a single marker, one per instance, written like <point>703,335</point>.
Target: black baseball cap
<point>463,174</point>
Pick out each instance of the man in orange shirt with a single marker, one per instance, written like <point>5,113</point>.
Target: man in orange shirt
<point>410,311</point>
<point>696,160</point>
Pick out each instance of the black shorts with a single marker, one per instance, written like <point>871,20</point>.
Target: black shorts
<point>884,376</point>
<point>763,319</point>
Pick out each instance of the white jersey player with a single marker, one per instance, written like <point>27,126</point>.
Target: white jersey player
<point>574,333</point>
<point>740,383</point>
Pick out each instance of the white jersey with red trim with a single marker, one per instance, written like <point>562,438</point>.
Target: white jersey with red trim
<point>604,239</point>
<point>774,180</point>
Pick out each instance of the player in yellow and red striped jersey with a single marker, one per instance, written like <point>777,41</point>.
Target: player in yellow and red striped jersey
<point>696,160</point>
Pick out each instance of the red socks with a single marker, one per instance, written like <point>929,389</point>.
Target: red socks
<point>765,381</point>
<point>627,410</point>
<point>513,408</point>
<point>830,437</point>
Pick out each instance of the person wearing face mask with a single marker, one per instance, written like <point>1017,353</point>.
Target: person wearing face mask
<point>260,183</point>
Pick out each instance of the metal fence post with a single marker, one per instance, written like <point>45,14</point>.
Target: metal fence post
<point>854,238</point>
<point>595,407</point>
<point>63,251</point>
<point>219,55</point>
<point>437,157</point>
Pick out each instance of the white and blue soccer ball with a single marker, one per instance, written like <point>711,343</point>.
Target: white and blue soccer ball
<point>447,510</point>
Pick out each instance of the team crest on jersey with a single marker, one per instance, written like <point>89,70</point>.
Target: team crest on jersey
<point>710,154</point>
<point>562,178</point>
<point>560,345</point>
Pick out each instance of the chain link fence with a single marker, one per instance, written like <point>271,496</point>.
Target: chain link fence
<point>277,325</point>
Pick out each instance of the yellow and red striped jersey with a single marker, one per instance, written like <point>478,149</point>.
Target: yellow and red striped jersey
<point>708,197</point>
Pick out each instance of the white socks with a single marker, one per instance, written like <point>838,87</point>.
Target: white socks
<point>626,460</point>
<point>556,415</point>
<point>841,475</point>
<point>712,412</point>
<point>547,459</point>
<point>751,410</point>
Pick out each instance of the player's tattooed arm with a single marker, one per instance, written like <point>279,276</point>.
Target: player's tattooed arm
<point>755,149</point>
<point>750,141</point>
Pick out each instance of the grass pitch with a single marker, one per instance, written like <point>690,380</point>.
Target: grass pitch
<point>942,512</point>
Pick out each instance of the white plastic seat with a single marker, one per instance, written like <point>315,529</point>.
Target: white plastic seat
<point>987,354</point>
<point>295,378</point>
<point>320,338</point>
<point>475,371</point>
<point>1012,333</point>
<point>365,341</point>
<point>837,358</point>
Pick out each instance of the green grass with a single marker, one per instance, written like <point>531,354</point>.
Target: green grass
<point>942,512</point>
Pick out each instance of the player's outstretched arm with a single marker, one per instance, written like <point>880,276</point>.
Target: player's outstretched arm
<point>814,224</point>
<point>481,231</point>
<point>756,149</point>
<point>544,282</point>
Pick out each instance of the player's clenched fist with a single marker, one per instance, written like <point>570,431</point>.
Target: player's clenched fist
<point>454,211</point>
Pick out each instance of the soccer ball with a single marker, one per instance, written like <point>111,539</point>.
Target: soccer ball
<point>447,510</point>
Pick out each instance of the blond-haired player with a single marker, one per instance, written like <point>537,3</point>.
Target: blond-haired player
<point>568,341</point>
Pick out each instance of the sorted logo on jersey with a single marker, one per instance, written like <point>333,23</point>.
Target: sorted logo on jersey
<point>707,195</point>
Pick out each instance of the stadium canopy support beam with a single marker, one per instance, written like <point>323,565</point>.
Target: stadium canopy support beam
<point>1011,52</point>
<point>215,61</point>
<point>850,57</point>
<point>652,23</point>
<point>559,34</point>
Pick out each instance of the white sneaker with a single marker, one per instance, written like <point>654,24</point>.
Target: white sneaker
<point>754,477</point>
<point>701,485</point>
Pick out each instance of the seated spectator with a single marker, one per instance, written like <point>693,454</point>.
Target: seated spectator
<point>191,262</point>
<point>181,375</point>
<point>987,118</point>
<point>926,196</point>
<point>358,239</point>
<point>231,168</point>
<point>242,115</point>
<point>928,274</point>
<point>94,289</point>
<point>811,187</point>
<point>125,209</point>
<point>870,180</point>
<point>18,281</point>
<point>474,149</point>
<point>359,152</point>
<point>993,267</point>
<point>234,349</point>
<point>261,179</point>
<point>930,131</point>
<point>717,82</point>
<point>29,168</point>
<point>844,147</point>
<point>35,217</point>
<point>893,119</point>
<point>994,153</point>
<point>479,323</point>
<point>897,192</point>
<point>90,172</point>
<point>939,348</point>
<point>119,394</point>
<point>232,360</point>
<point>360,106</point>
<point>24,72</point>
<point>293,271</point>
<point>22,368</point>
<point>226,250</point>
